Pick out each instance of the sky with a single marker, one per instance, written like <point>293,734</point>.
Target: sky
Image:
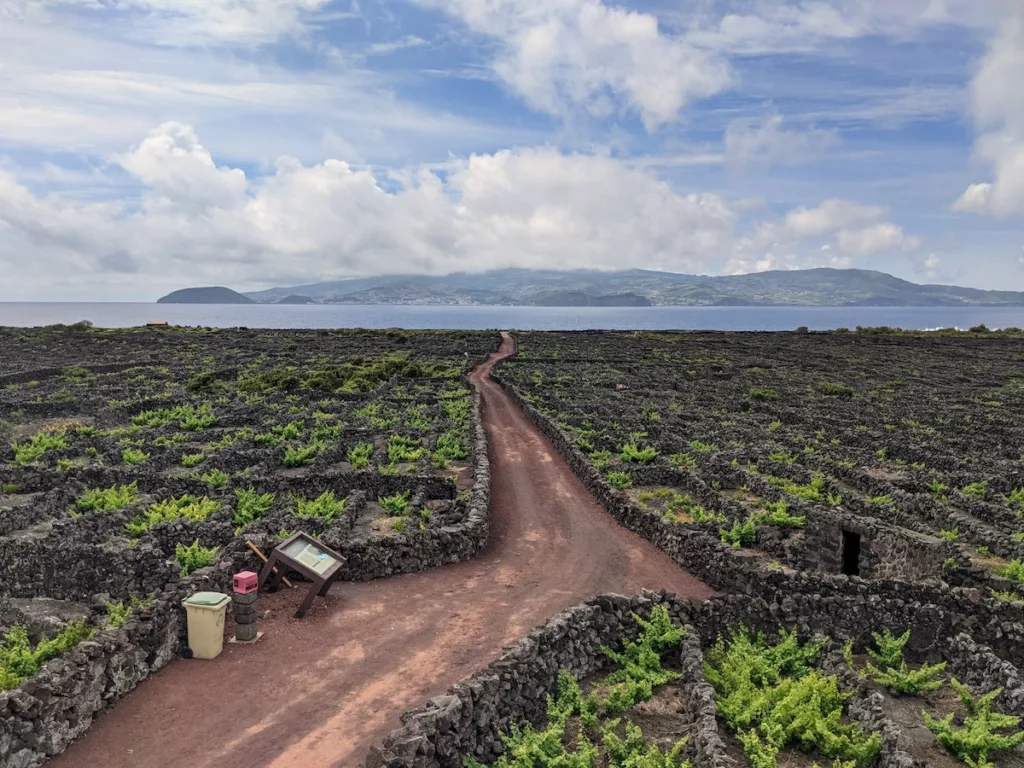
<point>150,145</point>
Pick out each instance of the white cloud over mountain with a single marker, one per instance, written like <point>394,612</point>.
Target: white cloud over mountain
<point>533,207</point>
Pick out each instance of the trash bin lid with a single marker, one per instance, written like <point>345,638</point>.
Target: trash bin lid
<point>206,599</point>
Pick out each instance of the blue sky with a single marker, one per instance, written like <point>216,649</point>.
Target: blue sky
<point>147,145</point>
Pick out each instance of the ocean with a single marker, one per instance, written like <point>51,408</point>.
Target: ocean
<point>118,315</point>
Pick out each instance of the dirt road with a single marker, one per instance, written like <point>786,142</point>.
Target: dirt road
<point>320,691</point>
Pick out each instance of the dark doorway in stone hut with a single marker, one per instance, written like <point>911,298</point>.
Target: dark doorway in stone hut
<point>851,553</point>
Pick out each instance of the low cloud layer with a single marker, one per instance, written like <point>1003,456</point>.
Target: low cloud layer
<point>197,222</point>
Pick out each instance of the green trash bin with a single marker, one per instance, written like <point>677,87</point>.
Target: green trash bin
<point>205,612</point>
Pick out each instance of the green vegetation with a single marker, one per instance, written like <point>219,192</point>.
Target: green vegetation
<point>602,739</point>
<point>133,456</point>
<point>982,732</point>
<point>350,377</point>
<point>193,557</point>
<point>119,612</point>
<point>620,480</point>
<point>767,395</point>
<point>740,535</point>
<point>216,478</point>
<point>187,417</point>
<point>106,499</point>
<point>20,661</point>
<point>1013,570</point>
<point>397,504</point>
<point>450,447</point>
<point>39,444</point>
<point>978,490</point>
<point>836,390</point>
<point>634,454</point>
<point>403,449</point>
<point>324,507</point>
<point>10,488</point>
<point>772,697</point>
<point>186,507</point>
<point>250,506</point>
<point>301,455</point>
<point>892,671</point>
<point>360,455</point>
<point>192,459</point>
<point>777,514</point>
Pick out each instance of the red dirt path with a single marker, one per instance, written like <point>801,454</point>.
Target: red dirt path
<point>320,691</point>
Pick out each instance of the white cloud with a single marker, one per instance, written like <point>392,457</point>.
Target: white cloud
<point>392,46</point>
<point>188,22</point>
<point>833,215</point>
<point>200,223</point>
<point>776,26</point>
<point>579,53</point>
<point>878,238</point>
<point>769,143</point>
<point>854,231</point>
<point>998,110</point>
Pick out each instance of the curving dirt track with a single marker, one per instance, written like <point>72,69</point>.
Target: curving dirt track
<point>320,691</point>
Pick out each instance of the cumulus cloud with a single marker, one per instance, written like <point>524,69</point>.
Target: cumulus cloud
<point>197,222</point>
<point>584,54</point>
<point>998,109</point>
<point>853,230</point>
<point>768,142</point>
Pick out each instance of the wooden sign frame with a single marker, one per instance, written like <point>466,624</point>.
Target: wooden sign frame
<point>303,554</point>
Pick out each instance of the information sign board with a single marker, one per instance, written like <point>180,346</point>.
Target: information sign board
<point>309,557</point>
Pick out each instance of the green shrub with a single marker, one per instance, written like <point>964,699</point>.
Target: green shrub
<point>760,393</point>
<point>683,460</point>
<point>39,444</point>
<point>601,458</point>
<point>187,417</point>
<point>620,480</point>
<point>216,478</point>
<point>836,390</point>
<point>193,557</point>
<point>978,490</point>
<point>777,514</point>
<point>187,507</point>
<point>980,734</point>
<point>133,456</point>
<point>634,454</point>
<point>744,535</point>
<point>192,459</point>
<point>397,504</point>
<point>119,612</point>
<point>360,455</point>
<point>399,525</point>
<point>20,661</point>
<point>107,499</point>
<point>10,488</point>
<point>251,506</point>
<point>771,697</point>
<point>948,535</point>
<point>403,449</point>
<point>326,507</point>
<point>451,447</point>
<point>1013,570</point>
<point>300,456</point>
<point>700,447</point>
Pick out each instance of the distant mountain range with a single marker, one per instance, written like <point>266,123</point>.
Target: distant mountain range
<point>631,288</point>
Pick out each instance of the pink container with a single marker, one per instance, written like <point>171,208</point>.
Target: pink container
<point>246,582</point>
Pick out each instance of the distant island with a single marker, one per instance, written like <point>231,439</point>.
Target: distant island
<point>211,295</point>
<point>822,287</point>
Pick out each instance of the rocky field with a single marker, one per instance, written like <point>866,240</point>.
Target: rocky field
<point>857,496</point>
<point>139,463</point>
